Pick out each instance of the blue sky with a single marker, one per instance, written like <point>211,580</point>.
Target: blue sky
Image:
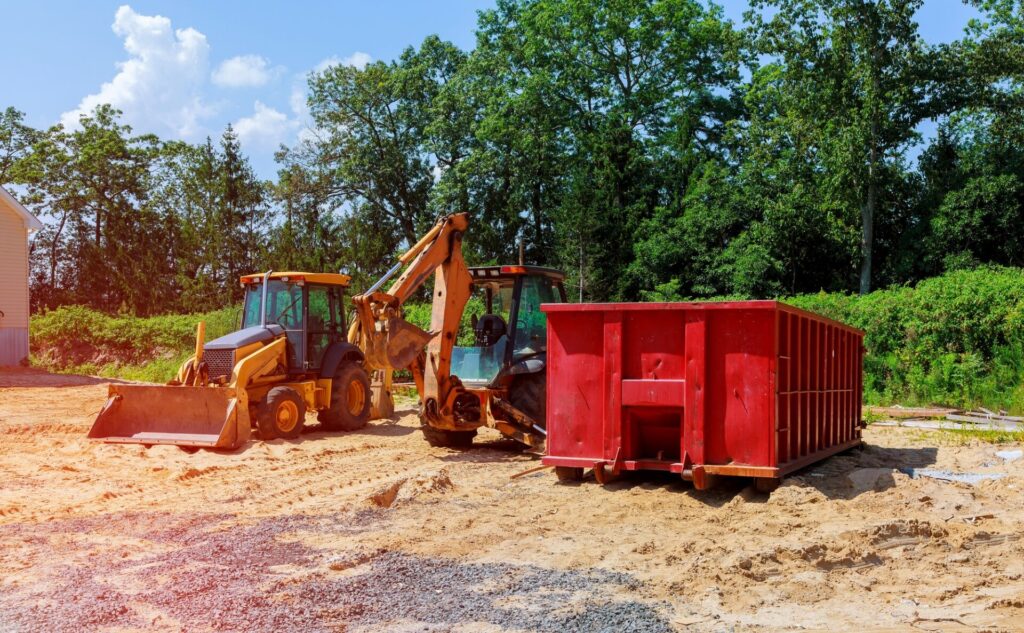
<point>186,69</point>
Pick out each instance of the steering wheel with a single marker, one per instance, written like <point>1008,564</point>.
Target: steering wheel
<point>285,320</point>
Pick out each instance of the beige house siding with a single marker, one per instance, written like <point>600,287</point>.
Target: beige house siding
<point>13,286</point>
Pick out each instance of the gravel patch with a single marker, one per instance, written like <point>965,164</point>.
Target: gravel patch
<point>439,593</point>
<point>207,573</point>
<point>204,573</point>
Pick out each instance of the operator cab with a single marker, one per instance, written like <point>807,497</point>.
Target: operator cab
<point>309,307</point>
<point>506,325</point>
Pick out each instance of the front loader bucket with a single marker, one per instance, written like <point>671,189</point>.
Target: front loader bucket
<point>405,342</point>
<point>205,417</point>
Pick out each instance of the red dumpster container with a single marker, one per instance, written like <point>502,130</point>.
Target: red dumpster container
<point>751,388</point>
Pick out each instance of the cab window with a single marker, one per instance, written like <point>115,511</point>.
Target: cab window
<point>321,324</point>
<point>486,332</point>
<point>531,324</point>
<point>284,305</point>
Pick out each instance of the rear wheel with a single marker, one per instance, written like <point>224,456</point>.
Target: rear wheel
<point>527,394</point>
<point>350,399</point>
<point>447,439</point>
<point>281,414</point>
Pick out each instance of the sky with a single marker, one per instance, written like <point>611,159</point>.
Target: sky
<point>186,69</point>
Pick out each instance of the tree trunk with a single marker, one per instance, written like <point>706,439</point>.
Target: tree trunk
<point>53,252</point>
<point>538,247</point>
<point>867,217</point>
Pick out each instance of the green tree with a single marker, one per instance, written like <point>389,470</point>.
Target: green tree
<point>243,213</point>
<point>622,99</point>
<point>16,139</point>
<point>850,72</point>
<point>92,182</point>
<point>373,133</point>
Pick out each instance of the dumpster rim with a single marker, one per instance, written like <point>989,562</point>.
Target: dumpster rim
<point>755,304</point>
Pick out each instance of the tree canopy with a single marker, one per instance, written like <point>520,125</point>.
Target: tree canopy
<point>652,149</point>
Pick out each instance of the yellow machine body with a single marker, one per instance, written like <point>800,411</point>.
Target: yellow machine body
<point>194,411</point>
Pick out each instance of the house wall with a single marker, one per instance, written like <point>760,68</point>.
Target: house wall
<point>13,287</point>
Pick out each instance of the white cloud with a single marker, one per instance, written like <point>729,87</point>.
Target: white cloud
<point>265,128</point>
<point>158,87</point>
<point>268,127</point>
<point>297,100</point>
<point>357,59</point>
<point>242,71</point>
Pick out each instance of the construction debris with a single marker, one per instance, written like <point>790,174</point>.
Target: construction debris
<point>1010,456</point>
<point>948,419</point>
<point>949,475</point>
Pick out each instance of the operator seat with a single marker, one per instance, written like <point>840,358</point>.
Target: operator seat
<point>489,329</point>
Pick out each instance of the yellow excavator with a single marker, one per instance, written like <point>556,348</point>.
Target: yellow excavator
<point>289,357</point>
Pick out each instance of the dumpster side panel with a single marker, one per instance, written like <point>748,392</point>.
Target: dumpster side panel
<point>748,388</point>
<point>739,401</point>
<point>819,388</point>
<point>575,382</point>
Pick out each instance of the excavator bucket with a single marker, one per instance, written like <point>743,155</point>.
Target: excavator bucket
<point>202,417</point>
<point>405,342</point>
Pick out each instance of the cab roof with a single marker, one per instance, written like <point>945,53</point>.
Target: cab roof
<point>330,279</point>
<point>497,272</point>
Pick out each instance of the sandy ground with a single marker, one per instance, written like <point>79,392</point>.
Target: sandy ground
<point>374,530</point>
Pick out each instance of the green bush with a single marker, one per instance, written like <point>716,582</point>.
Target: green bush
<point>419,315</point>
<point>76,339</point>
<point>955,340</point>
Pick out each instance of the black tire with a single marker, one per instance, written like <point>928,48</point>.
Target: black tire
<point>340,416</point>
<point>281,414</point>
<point>568,473</point>
<point>528,394</point>
<point>447,439</point>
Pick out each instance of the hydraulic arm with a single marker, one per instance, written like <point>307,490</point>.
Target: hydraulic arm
<point>389,342</point>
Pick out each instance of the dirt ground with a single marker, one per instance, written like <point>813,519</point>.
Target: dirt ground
<point>375,530</point>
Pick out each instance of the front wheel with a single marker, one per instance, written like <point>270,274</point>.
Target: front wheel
<point>281,414</point>
<point>350,399</point>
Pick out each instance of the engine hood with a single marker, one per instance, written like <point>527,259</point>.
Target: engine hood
<point>248,336</point>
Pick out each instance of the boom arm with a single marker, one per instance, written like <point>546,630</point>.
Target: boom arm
<point>388,341</point>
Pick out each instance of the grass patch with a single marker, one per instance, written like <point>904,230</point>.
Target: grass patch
<point>961,437</point>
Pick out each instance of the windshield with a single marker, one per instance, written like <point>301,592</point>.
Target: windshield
<point>284,305</point>
<point>531,323</point>
<point>489,309</point>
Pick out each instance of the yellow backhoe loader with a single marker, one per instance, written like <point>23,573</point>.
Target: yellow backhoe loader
<point>290,356</point>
